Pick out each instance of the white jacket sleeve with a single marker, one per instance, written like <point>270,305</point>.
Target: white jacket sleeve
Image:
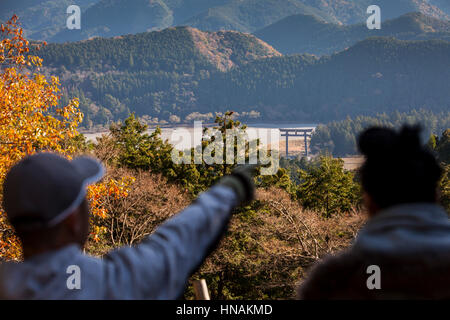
<point>159,267</point>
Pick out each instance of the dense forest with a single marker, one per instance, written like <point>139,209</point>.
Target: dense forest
<point>178,72</point>
<point>339,137</point>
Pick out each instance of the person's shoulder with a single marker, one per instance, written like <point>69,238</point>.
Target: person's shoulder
<point>330,276</point>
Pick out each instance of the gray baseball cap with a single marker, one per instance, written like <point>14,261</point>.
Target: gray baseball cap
<point>43,189</point>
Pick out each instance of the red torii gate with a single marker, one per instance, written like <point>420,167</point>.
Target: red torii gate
<point>296,133</point>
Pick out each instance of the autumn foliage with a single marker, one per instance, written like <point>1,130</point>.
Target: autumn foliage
<point>100,195</point>
<point>31,120</point>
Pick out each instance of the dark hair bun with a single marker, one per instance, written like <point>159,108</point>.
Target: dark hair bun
<point>398,168</point>
<point>409,139</point>
<point>377,141</point>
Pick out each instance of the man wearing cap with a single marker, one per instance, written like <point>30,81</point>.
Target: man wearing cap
<point>44,197</point>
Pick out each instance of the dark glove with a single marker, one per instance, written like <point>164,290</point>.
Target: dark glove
<point>241,181</point>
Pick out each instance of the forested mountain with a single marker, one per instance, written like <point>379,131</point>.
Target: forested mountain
<point>153,73</point>
<point>309,34</point>
<point>375,75</point>
<point>180,49</point>
<point>46,19</point>
<point>183,71</point>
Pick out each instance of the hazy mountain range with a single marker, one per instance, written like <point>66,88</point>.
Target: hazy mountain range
<point>308,60</point>
<point>46,19</point>
<point>309,34</point>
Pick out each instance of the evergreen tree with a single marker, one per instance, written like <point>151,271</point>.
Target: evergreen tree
<point>328,188</point>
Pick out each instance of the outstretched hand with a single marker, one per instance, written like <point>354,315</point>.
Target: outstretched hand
<point>241,181</point>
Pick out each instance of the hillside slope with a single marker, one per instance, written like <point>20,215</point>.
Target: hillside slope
<point>227,49</point>
<point>167,50</point>
<point>444,5</point>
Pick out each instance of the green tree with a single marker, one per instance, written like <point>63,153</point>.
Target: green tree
<point>443,147</point>
<point>432,142</point>
<point>131,61</point>
<point>445,188</point>
<point>328,188</point>
<point>443,152</point>
<point>136,149</point>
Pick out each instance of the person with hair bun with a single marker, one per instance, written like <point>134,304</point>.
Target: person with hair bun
<point>403,251</point>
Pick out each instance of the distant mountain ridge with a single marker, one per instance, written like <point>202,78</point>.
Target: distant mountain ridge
<point>45,19</point>
<point>250,15</point>
<point>308,34</point>
<point>389,9</point>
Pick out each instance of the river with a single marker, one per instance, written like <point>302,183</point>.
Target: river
<point>184,136</point>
